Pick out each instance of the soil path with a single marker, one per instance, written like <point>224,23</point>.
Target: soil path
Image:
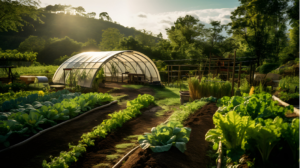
<point>32,153</point>
<point>193,157</point>
<point>137,126</point>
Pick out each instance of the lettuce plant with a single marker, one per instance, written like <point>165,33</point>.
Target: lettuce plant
<point>231,130</point>
<point>266,134</point>
<point>290,133</point>
<point>163,137</point>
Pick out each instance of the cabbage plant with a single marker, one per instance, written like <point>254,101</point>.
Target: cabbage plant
<point>163,137</point>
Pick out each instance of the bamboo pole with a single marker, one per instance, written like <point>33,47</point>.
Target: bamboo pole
<point>239,80</point>
<point>232,87</point>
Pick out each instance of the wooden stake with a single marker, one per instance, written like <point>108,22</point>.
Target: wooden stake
<point>239,83</point>
<point>228,63</point>
<point>232,88</point>
<point>209,63</point>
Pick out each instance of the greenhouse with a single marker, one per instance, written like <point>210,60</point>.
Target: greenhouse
<point>118,66</point>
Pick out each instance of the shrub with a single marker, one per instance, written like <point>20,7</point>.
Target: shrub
<point>266,68</point>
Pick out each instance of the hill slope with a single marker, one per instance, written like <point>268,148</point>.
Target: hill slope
<point>60,25</point>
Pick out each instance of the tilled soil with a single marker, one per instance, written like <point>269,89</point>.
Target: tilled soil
<point>193,157</point>
<point>32,153</point>
<point>137,126</point>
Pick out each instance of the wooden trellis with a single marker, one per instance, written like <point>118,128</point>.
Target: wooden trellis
<point>214,66</point>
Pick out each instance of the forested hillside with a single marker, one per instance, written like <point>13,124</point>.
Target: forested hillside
<point>60,25</point>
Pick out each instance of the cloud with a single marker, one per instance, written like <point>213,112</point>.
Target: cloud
<point>142,16</point>
<point>157,23</point>
<point>167,22</point>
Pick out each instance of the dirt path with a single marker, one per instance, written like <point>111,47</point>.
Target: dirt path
<point>32,153</point>
<point>193,157</point>
<point>137,126</point>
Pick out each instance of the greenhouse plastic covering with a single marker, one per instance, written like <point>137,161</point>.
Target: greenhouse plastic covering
<point>83,67</point>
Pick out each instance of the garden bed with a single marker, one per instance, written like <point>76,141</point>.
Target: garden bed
<point>98,154</point>
<point>195,155</point>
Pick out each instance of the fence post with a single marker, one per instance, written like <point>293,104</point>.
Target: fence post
<point>168,75</point>
<point>228,63</point>
<point>250,74</point>
<point>239,83</point>
<point>209,63</point>
<point>232,87</point>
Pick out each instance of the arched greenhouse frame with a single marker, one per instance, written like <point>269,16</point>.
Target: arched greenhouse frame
<point>118,66</point>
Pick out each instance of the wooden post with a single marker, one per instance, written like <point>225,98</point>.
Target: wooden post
<point>179,75</point>
<point>239,80</point>
<point>228,63</point>
<point>65,77</point>
<point>250,74</point>
<point>232,88</point>
<point>168,75</point>
<point>209,63</point>
<point>171,73</point>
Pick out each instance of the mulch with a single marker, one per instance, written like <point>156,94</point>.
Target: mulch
<point>51,143</point>
<point>193,157</point>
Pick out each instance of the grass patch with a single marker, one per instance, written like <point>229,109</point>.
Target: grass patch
<point>114,90</point>
<point>130,137</point>
<point>48,71</point>
<point>124,145</point>
<point>186,111</point>
<point>113,156</point>
<point>120,97</point>
<point>120,151</point>
<point>133,86</point>
<point>102,165</point>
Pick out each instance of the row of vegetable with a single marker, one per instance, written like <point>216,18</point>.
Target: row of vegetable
<point>30,98</point>
<point>28,119</point>
<point>164,136</point>
<point>14,95</point>
<point>117,119</point>
<point>254,125</point>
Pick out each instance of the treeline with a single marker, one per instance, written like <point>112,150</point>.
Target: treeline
<point>257,28</point>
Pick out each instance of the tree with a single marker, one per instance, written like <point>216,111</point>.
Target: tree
<point>32,43</point>
<point>146,38</point>
<point>12,13</point>
<point>214,35</point>
<point>79,10</point>
<point>129,43</point>
<point>90,45</point>
<point>91,15</point>
<point>255,20</point>
<point>105,15</point>
<point>58,47</point>
<point>187,33</point>
<point>110,39</point>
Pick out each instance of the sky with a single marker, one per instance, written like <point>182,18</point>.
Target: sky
<point>155,15</point>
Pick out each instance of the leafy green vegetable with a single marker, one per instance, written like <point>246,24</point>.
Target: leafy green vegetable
<point>163,137</point>
<point>230,130</point>
<point>266,134</point>
<point>290,133</point>
<point>116,120</point>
